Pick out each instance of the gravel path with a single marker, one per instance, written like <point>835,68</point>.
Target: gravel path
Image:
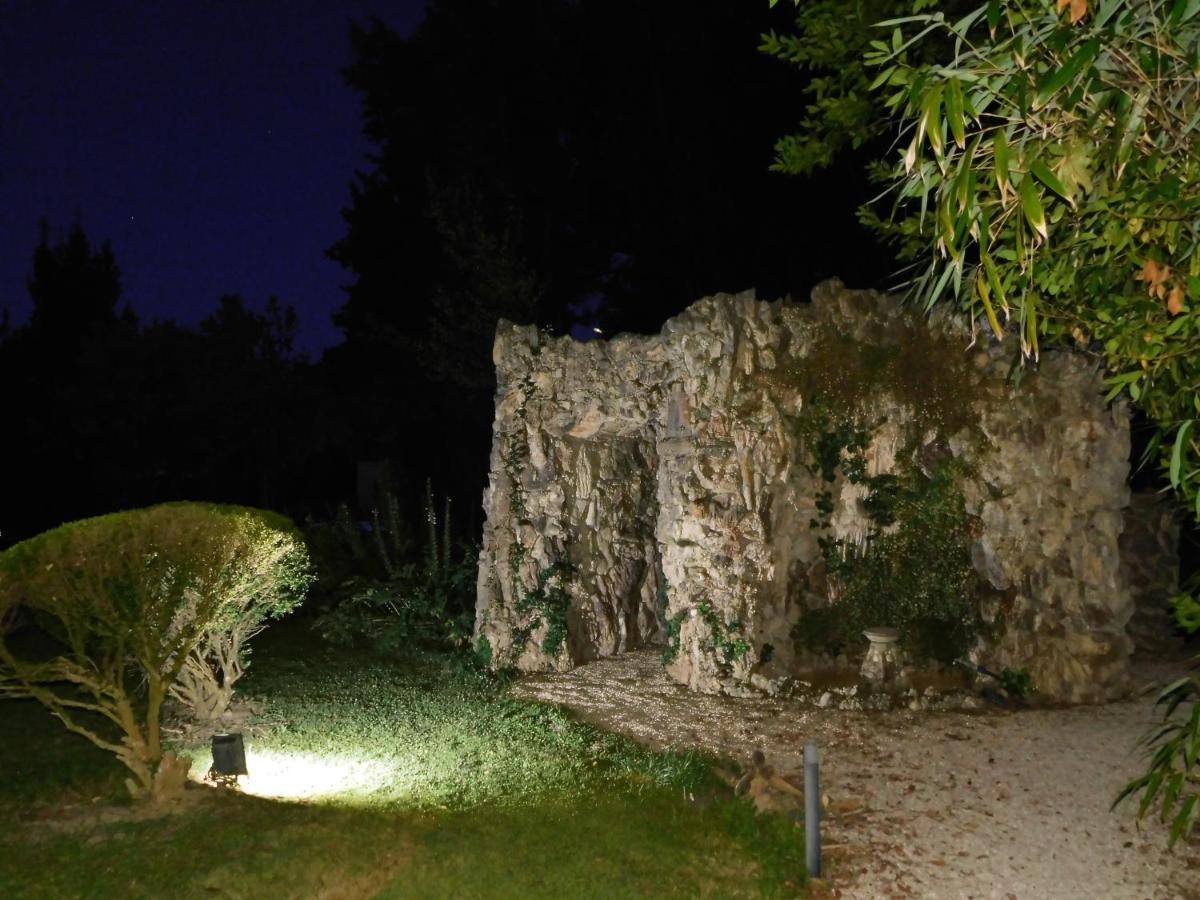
<point>986,804</point>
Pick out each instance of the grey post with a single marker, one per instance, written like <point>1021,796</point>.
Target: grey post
<point>812,809</point>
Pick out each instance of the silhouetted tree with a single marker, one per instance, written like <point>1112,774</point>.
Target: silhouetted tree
<point>101,415</point>
<point>74,287</point>
<point>539,160</point>
<point>58,419</point>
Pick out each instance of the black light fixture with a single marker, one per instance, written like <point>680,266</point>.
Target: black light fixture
<point>228,758</point>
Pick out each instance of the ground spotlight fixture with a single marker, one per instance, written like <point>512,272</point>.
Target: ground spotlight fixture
<point>228,759</point>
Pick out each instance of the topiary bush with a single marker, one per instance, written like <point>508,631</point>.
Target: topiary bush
<point>274,576</point>
<point>130,602</point>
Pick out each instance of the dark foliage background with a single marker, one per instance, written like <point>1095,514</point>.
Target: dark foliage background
<point>578,165</point>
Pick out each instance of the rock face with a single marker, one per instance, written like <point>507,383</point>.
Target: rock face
<point>760,481</point>
<point>1150,568</point>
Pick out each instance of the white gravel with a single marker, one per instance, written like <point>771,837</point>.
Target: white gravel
<point>987,804</point>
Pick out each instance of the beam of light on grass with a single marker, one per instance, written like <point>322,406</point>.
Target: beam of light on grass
<point>285,775</point>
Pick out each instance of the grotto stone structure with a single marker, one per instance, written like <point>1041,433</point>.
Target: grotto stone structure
<point>758,482</point>
<point>1150,568</point>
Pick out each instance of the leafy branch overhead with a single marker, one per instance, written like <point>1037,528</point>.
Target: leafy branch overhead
<point>1043,175</point>
<point>1045,178</point>
<point>1049,183</point>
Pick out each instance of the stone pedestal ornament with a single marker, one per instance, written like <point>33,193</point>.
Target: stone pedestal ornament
<point>882,664</point>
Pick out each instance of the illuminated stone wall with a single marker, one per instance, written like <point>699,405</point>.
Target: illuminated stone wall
<point>669,490</point>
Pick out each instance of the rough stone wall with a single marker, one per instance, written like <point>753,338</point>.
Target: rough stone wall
<point>675,473</point>
<point>1150,567</point>
<point>572,482</point>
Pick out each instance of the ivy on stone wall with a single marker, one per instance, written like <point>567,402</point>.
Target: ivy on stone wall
<point>912,570</point>
<point>725,641</point>
<point>547,602</point>
<point>674,624</point>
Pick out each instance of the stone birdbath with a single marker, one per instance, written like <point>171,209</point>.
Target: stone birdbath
<point>882,664</point>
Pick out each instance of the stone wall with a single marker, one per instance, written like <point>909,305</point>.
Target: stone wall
<point>734,487</point>
<point>1150,568</point>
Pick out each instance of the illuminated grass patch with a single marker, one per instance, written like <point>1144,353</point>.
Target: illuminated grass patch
<point>369,777</point>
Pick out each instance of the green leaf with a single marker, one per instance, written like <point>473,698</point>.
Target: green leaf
<point>1056,79</point>
<point>1107,8</point>
<point>954,111</point>
<point>1133,126</point>
<point>1050,180</point>
<point>1074,168</point>
<point>882,77</point>
<point>941,284</point>
<point>985,295</point>
<point>1001,154</point>
<point>1177,451</point>
<point>930,123</point>
<point>1182,11</point>
<point>1031,203</point>
<point>1029,339</point>
<point>1185,821</point>
<point>1171,793</point>
<point>1192,751</point>
<point>993,16</point>
<point>1172,689</point>
<point>994,280</point>
<point>1153,783</point>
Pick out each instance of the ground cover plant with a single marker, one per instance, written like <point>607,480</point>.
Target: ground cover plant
<point>377,778</point>
<point>380,588</point>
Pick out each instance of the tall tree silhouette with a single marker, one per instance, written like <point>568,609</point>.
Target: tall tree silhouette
<point>102,415</point>
<point>74,287</point>
<point>606,156</point>
<point>611,127</point>
<point>55,370</point>
<point>473,102</point>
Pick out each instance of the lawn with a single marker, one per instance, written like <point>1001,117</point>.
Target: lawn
<point>377,777</point>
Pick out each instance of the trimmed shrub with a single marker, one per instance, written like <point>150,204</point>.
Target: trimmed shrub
<point>132,600</point>
<point>272,581</point>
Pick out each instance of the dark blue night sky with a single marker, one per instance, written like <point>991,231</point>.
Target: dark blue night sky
<point>212,141</point>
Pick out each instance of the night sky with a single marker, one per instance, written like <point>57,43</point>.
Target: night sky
<point>211,141</point>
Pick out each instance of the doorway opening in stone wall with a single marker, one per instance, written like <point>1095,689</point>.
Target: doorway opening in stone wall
<point>618,595</point>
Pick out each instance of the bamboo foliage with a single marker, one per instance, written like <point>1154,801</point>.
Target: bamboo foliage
<point>1048,183</point>
<point>1045,178</point>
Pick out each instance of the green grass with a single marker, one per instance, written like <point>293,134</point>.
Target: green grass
<point>413,779</point>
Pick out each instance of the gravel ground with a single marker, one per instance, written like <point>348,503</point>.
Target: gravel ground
<point>989,804</point>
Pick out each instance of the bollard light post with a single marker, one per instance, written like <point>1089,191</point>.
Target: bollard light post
<point>812,809</point>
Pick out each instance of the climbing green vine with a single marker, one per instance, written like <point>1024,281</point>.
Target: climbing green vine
<point>674,624</point>
<point>724,641</point>
<point>547,602</point>
<point>912,570</point>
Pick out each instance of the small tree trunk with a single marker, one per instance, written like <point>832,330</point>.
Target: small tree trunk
<point>153,714</point>
<point>136,753</point>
